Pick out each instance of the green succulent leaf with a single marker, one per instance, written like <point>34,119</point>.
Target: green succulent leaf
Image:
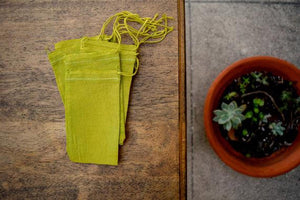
<point>243,107</point>
<point>224,106</point>
<point>277,128</point>
<point>266,117</point>
<point>218,112</point>
<point>231,106</point>
<point>216,118</point>
<point>235,126</point>
<point>223,119</point>
<point>228,126</point>
<point>241,116</point>
<point>234,104</point>
<point>236,123</point>
<point>230,115</point>
<point>236,120</point>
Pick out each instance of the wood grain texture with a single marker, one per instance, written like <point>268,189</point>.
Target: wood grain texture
<point>182,101</point>
<point>34,163</point>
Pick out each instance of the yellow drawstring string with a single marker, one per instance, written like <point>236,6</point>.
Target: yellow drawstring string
<point>147,33</point>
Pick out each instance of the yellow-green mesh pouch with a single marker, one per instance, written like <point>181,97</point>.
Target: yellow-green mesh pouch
<point>151,30</point>
<point>127,65</point>
<point>92,107</point>
<point>147,33</point>
<point>56,59</point>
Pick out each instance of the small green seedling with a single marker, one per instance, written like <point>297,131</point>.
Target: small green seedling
<point>254,119</point>
<point>243,85</point>
<point>284,107</point>
<point>258,78</point>
<point>264,81</point>
<point>261,115</point>
<point>258,102</point>
<point>256,110</point>
<point>244,132</point>
<point>231,95</point>
<point>276,128</point>
<point>230,116</point>
<point>256,115</point>
<point>243,88</point>
<point>286,96</point>
<point>246,81</point>
<point>249,115</point>
<point>256,75</point>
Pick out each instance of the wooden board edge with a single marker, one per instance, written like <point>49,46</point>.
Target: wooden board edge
<point>182,102</point>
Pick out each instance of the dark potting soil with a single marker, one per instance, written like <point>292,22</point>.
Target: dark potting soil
<point>258,140</point>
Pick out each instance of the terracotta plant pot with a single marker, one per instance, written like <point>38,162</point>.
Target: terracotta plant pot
<point>279,162</point>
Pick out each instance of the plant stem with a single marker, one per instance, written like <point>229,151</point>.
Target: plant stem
<point>270,97</point>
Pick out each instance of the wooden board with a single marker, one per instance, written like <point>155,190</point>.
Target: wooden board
<point>34,163</point>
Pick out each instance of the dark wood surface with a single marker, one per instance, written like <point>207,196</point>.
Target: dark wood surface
<point>33,162</point>
<point>182,101</point>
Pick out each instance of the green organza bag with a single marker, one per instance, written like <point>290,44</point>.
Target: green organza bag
<point>94,76</point>
<point>128,68</point>
<point>127,63</point>
<point>92,87</point>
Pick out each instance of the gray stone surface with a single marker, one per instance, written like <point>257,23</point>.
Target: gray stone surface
<point>245,1</point>
<point>219,34</point>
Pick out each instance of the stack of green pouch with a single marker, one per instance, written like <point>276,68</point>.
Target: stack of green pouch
<point>93,75</point>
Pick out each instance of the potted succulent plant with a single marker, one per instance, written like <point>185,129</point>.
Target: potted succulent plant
<point>252,116</point>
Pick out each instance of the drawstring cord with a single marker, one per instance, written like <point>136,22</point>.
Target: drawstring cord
<point>147,33</point>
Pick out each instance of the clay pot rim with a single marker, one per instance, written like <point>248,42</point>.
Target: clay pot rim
<point>279,162</point>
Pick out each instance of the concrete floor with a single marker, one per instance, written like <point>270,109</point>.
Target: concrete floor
<point>220,32</point>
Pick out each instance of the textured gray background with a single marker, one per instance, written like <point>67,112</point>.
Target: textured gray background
<point>218,34</point>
